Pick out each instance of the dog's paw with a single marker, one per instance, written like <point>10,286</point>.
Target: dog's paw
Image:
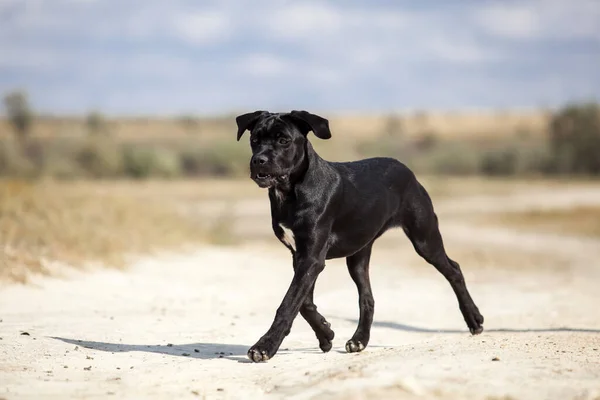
<point>476,331</point>
<point>354,346</point>
<point>258,355</point>
<point>326,337</point>
<point>263,350</point>
<point>474,322</point>
<point>325,345</point>
<point>477,327</point>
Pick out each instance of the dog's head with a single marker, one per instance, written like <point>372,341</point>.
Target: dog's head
<point>278,142</point>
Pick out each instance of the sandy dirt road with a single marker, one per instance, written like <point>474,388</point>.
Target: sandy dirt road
<point>179,326</point>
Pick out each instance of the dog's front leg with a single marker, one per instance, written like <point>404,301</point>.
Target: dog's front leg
<point>310,262</point>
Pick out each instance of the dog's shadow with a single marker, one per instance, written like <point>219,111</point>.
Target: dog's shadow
<point>203,351</point>
<point>417,329</point>
<point>236,352</point>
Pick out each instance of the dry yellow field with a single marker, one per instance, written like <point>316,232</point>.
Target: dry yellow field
<point>78,222</point>
<point>465,124</point>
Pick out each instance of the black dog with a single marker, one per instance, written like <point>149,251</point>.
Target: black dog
<point>322,210</point>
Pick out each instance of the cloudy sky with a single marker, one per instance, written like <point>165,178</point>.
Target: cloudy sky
<point>191,56</point>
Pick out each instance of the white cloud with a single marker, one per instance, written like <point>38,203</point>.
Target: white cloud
<point>203,27</point>
<point>297,21</point>
<point>540,19</point>
<point>263,65</point>
<point>39,59</point>
<point>138,65</point>
<point>461,51</point>
<point>516,21</point>
<point>145,23</point>
<point>273,67</point>
<point>362,39</point>
<point>321,21</point>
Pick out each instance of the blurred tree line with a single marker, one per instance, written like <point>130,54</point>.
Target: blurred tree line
<point>571,147</point>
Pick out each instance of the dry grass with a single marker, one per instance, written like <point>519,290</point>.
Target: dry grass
<point>444,187</point>
<point>76,224</point>
<point>456,187</point>
<point>82,221</point>
<point>465,124</point>
<point>580,221</point>
<point>181,190</point>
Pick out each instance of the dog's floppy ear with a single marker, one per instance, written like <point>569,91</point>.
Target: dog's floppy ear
<point>247,121</point>
<point>310,122</point>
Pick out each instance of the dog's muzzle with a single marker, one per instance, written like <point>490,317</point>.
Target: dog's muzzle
<point>262,173</point>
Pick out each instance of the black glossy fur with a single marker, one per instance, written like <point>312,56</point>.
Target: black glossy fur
<point>337,210</point>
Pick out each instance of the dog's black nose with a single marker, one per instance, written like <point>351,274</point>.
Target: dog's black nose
<point>259,160</point>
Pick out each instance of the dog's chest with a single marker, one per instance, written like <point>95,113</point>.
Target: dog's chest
<point>288,237</point>
<point>284,220</point>
<point>282,208</point>
<point>284,215</point>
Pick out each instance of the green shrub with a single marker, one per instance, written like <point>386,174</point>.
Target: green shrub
<point>220,159</point>
<point>148,162</point>
<point>574,135</point>
<point>197,163</point>
<point>99,159</point>
<point>499,163</point>
<point>454,161</point>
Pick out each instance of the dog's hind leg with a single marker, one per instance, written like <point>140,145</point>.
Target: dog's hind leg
<point>420,224</point>
<point>317,322</point>
<point>358,266</point>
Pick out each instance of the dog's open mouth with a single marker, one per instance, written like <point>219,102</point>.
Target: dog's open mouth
<point>264,179</point>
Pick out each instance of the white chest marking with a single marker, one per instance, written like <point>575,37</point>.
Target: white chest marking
<point>288,237</point>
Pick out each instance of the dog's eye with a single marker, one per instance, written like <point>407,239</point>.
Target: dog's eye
<point>253,140</point>
<point>283,141</point>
